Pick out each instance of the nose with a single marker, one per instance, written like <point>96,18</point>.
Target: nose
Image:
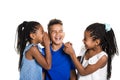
<point>57,33</point>
<point>83,41</point>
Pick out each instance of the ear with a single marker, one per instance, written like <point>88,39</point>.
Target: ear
<point>32,35</point>
<point>97,41</point>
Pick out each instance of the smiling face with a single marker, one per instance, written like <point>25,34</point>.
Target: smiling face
<point>56,34</point>
<point>88,41</point>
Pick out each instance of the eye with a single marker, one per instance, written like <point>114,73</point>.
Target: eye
<point>53,32</point>
<point>61,31</point>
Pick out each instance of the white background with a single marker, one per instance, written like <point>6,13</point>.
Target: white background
<point>75,14</point>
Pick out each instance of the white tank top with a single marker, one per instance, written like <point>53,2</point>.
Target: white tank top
<point>100,74</point>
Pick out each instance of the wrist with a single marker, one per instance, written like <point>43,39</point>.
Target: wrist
<point>72,54</point>
<point>47,45</point>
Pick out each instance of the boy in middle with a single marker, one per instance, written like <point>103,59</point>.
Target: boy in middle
<point>62,66</point>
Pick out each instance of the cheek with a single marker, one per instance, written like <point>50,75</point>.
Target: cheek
<point>52,35</point>
<point>41,36</point>
<point>88,43</point>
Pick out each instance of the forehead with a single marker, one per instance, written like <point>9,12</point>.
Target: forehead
<point>56,27</point>
<point>40,28</point>
<point>87,33</point>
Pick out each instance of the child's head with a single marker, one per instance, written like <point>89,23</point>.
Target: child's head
<point>98,34</point>
<point>104,34</point>
<point>31,32</point>
<point>55,31</point>
<point>95,35</point>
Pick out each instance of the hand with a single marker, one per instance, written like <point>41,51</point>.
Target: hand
<point>46,39</point>
<point>68,49</point>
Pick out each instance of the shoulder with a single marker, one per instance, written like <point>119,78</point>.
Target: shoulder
<point>27,48</point>
<point>102,56</point>
<point>36,49</point>
<point>32,49</point>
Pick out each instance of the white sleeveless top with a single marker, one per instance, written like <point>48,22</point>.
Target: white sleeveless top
<point>100,74</point>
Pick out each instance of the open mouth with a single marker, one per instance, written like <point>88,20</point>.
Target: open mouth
<point>58,38</point>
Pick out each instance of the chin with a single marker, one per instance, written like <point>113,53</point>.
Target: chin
<point>86,47</point>
<point>58,43</point>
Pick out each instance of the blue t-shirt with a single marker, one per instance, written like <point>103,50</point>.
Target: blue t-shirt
<point>61,66</point>
<point>30,69</point>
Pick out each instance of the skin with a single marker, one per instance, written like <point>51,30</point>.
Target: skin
<point>40,37</point>
<point>93,48</point>
<point>57,35</point>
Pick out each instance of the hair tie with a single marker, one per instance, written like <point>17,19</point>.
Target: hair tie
<point>23,28</point>
<point>107,27</point>
<point>24,24</point>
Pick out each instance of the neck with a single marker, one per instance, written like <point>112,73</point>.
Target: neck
<point>98,49</point>
<point>92,52</point>
<point>55,47</point>
<point>34,42</point>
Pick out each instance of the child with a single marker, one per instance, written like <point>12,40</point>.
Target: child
<point>100,42</point>
<point>31,57</point>
<point>62,67</point>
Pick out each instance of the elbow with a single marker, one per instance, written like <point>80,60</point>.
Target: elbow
<point>83,73</point>
<point>48,67</point>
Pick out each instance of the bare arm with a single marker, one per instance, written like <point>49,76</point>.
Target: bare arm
<point>73,75</point>
<point>45,62</point>
<point>46,42</point>
<point>90,68</point>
